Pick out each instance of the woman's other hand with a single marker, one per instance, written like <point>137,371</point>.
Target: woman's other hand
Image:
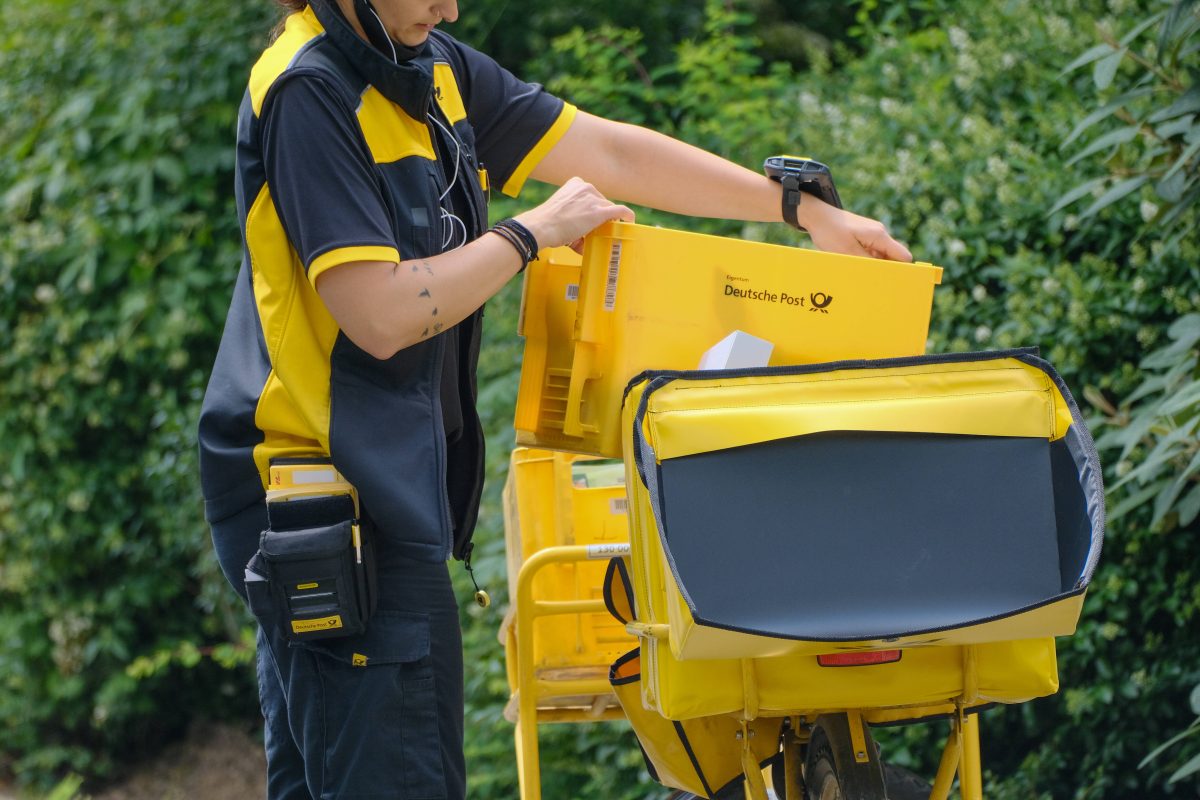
<point>836,230</point>
<point>572,212</point>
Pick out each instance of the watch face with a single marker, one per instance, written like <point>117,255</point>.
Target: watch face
<point>801,173</point>
<point>805,167</point>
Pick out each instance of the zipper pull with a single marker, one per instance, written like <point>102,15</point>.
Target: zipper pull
<point>482,598</point>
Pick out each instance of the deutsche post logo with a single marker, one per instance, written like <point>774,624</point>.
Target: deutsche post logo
<point>819,301</point>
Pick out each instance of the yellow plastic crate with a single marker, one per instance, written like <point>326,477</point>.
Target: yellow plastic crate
<point>652,298</point>
<point>547,504</point>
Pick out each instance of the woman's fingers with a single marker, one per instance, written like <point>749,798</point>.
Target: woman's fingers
<point>883,245</point>
<point>573,211</point>
<point>853,235</point>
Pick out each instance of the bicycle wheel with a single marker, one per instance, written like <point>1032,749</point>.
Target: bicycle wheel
<point>831,771</point>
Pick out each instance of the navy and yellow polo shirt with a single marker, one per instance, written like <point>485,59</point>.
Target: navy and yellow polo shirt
<point>340,159</point>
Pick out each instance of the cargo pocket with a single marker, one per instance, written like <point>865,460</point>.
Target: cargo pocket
<point>379,696</point>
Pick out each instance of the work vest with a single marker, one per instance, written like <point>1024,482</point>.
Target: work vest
<point>287,382</point>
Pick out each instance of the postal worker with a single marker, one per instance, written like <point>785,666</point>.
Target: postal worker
<point>366,145</point>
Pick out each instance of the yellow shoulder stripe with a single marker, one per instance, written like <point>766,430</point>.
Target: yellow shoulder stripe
<point>297,32</point>
<point>512,187</point>
<point>390,132</point>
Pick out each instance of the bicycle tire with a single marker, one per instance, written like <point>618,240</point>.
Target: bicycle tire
<point>831,771</point>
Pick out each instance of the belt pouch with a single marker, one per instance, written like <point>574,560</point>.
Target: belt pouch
<point>320,567</point>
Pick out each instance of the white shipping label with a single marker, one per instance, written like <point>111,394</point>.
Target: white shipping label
<point>618,505</point>
<point>306,476</point>
<point>599,551</point>
<point>572,291</point>
<point>614,268</point>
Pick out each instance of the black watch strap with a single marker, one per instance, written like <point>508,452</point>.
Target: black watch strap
<point>791,200</point>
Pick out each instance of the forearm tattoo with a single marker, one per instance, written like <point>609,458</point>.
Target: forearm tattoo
<point>436,327</point>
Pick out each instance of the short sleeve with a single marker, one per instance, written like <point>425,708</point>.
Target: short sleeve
<point>322,177</point>
<point>516,123</point>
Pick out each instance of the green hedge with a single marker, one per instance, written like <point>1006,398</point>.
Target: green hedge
<point>117,254</point>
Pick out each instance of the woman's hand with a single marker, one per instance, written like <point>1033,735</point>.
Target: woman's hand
<point>838,231</point>
<point>572,212</point>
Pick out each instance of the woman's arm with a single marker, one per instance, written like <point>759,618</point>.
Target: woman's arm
<point>641,166</point>
<point>384,307</point>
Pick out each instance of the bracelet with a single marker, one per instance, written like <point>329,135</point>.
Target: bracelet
<point>517,244</point>
<point>520,237</point>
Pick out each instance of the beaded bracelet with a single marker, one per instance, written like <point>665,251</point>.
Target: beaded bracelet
<point>520,237</point>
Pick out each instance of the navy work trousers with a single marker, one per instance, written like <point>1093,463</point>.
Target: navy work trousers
<point>377,715</point>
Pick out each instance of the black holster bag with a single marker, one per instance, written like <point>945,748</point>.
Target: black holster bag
<point>314,572</point>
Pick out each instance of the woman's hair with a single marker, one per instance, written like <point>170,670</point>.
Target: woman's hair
<point>289,7</point>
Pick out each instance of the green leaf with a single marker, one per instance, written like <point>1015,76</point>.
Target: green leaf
<point>1190,768</point>
<point>1165,500</point>
<point>1188,103</point>
<point>1184,397</point>
<point>1175,357</point>
<point>1106,69</point>
<point>1186,328</point>
<point>1189,731</point>
<point>1137,30</point>
<point>1189,509</point>
<point>1104,111</point>
<point>1175,127</point>
<point>1090,55</point>
<point>1184,205</point>
<point>1111,139</point>
<point>1117,192</point>
<point>1172,188</point>
<point>1194,700</point>
<point>1192,149</point>
<point>1082,190</point>
<point>1132,502</point>
<point>1175,25</point>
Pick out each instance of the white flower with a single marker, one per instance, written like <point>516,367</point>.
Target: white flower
<point>959,38</point>
<point>1058,27</point>
<point>979,293</point>
<point>45,294</point>
<point>956,247</point>
<point>1148,210</point>
<point>983,333</point>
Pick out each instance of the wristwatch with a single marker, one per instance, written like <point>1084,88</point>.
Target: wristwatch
<point>798,174</point>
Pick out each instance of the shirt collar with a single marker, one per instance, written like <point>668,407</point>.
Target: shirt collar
<point>408,84</point>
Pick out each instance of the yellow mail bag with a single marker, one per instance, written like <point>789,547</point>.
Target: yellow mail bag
<point>947,507</point>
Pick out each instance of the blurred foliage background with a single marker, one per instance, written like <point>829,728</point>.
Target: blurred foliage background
<point>1045,155</point>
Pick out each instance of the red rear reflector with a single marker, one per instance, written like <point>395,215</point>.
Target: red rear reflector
<point>859,659</point>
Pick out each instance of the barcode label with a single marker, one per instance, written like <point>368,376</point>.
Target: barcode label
<point>618,505</point>
<point>572,291</point>
<point>614,268</point>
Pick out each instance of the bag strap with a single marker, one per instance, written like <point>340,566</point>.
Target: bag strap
<point>618,591</point>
